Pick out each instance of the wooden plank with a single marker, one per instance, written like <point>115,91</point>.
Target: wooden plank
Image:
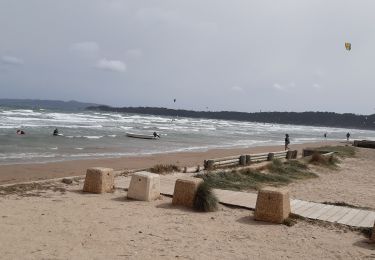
<point>329,213</point>
<point>302,209</point>
<point>303,203</point>
<point>226,158</point>
<point>311,210</point>
<point>358,218</point>
<point>345,219</point>
<point>368,221</point>
<point>227,162</point>
<point>342,212</point>
<point>293,203</point>
<point>321,211</point>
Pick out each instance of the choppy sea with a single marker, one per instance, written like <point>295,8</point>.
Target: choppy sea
<point>88,134</point>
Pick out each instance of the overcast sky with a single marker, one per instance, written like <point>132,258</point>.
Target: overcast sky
<point>239,55</point>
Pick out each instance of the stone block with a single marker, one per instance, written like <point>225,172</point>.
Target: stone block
<point>99,180</point>
<point>185,191</point>
<point>270,156</point>
<point>273,205</point>
<point>144,186</point>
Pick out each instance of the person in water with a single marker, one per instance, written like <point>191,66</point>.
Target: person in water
<point>20,132</point>
<point>287,141</point>
<point>325,135</point>
<point>347,136</point>
<point>55,132</point>
<point>156,135</point>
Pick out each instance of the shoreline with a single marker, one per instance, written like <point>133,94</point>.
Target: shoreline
<point>15,173</point>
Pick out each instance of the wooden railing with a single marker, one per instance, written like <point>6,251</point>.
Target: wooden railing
<point>243,160</point>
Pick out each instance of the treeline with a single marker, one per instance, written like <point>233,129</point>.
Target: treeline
<point>329,119</point>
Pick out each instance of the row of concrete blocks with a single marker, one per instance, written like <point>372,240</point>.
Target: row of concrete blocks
<point>273,204</point>
<point>143,186</point>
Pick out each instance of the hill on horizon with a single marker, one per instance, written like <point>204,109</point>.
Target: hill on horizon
<point>329,119</point>
<point>45,104</point>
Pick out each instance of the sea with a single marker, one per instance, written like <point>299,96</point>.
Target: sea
<point>89,135</point>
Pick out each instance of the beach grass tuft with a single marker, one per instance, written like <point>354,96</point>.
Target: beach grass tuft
<point>164,168</point>
<point>340,150</point>
<point>205,200</point>
<point>319,159</point>
<point>33,189</point>
<point>278,173</point>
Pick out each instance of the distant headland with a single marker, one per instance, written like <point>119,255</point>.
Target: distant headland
<point>45,104</point>
<point>328,119</point>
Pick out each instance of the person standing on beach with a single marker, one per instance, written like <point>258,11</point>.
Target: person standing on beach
<point>287,141</point>
<point>347,136</point>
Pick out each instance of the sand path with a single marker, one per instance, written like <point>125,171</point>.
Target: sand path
<point>352,183</point>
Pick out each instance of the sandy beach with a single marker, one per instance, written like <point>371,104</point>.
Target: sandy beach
<point>27,172</point>
<point>59,221</point>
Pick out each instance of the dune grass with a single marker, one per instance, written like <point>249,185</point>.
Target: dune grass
<point>319,159</point>
<point>278,173</point>
<point>164,168</point>
<point>205,200</point>
<point>339,150</point>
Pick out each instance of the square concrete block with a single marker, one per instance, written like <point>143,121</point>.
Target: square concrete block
<point>144,186</point>
<point>273,205</point>
<point>185,190</point>
<point>99,180</point>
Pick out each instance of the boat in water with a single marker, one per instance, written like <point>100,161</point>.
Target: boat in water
<point>142,136</point>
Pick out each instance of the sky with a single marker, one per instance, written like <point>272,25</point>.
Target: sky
<point>237,55</point>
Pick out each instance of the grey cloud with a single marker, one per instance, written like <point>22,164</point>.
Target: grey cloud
<point>11,60</point>
<point>194,51</point>
<point>85,47</point>
<point>112,65</point>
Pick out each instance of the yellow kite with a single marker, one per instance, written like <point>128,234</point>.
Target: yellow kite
<point>348,46</point>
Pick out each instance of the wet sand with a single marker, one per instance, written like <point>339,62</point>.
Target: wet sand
<point>39,171</point>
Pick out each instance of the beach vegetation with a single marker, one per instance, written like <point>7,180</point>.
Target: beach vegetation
<point>339,150</point>
<point>34,189</point>
<point>278,173</point>
<point>326,161</point>
<point>205,200</point>
<point>164,168</point>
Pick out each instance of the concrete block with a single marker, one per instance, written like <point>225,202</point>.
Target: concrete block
<point>99,180</point>
<point>144,186</point>
<point>185,191</point>
<point>273,205</point>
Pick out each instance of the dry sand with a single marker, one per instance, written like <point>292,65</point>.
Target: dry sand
<point>27,172</point>
<point>353,182</point>
<point>87,226</point>
<point>58,224</point>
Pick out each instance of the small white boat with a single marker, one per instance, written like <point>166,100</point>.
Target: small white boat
<point>141,136</point>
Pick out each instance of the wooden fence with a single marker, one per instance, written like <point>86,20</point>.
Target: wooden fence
<point>364,143</point>
<point>243,160</point>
